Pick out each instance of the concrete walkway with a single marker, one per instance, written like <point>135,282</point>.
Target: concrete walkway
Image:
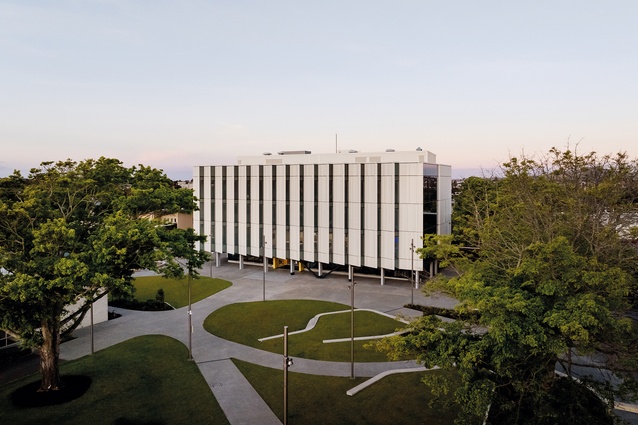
<point>238,399</point>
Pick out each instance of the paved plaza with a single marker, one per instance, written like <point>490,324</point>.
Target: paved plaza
<point>238,399</point>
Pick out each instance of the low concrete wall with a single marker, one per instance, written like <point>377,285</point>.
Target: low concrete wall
<point>100,312</point>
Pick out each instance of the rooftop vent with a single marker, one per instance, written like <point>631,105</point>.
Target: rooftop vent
<point>267,153</point>
<point>389,150</point>
<point>419,149</point>
<point>294,153</point>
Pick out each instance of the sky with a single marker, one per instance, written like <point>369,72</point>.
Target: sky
<point>174,84</point>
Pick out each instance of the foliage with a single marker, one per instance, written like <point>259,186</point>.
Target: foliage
<point>443,312</point>
<point>472,206</point>
<point>72,232</point>
<point>554,264</point>
<point>160,295</point>
<point>134,304</point>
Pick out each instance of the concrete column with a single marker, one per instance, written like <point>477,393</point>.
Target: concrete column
<point>292,266</point>
<point>241,262</point>
<point>320,269</point>
<point>217,259</point>
<point>382,276</point>
<point>436,266</point>
<point>416,279</point>
<point>350,273</point>
<point>431,269</point>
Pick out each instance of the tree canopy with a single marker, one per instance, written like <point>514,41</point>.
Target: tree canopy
<point>548,274</point>
<point>72,232</point>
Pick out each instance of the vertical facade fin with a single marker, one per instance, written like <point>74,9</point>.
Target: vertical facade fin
<point>361,211</point>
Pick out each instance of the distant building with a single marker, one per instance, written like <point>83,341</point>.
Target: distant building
<point>324,210</point>
<point>184,184</point>
<point>178,220</point>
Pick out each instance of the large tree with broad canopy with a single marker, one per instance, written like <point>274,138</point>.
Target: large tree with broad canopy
<point>73,232</point>
<point>543,261</point>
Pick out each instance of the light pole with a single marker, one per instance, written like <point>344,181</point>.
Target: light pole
<point>287,364</point>
<point>190,311</point>
<point>190,320</point>
<point>263,253</point>
<point>92,338</point>
<point>412,273</point>
<point>352,326</point>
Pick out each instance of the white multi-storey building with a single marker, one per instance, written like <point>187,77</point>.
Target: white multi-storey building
<point>324,210</point>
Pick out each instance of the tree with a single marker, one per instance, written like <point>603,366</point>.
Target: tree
<point>549,281</point>
<point>72,232</point>
<point>472,206</point>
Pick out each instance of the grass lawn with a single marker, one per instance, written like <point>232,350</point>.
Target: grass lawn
<point>176,290</point>
<point>396,399</point>
<point>261,319</point>
<point>146,380</point>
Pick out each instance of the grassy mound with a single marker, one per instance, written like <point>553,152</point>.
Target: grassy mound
<point>175,292</point>
<point>144,380</point>
<point>263,319</point>
<point>398,399</point>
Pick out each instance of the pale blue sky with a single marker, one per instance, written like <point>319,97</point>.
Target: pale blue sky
<point>174,84</point>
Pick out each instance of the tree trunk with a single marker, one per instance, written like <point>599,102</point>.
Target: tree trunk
<point>50,356</point>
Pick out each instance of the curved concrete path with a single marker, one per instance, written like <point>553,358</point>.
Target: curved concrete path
<point>313,322</point>
<point>238,399</point>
